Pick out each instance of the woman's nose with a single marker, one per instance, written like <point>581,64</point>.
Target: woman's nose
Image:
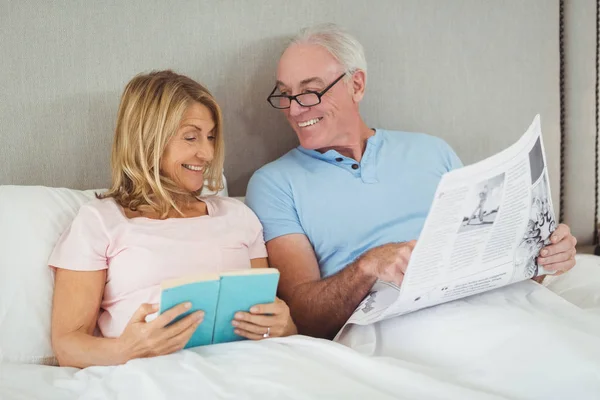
<point>206,150</point>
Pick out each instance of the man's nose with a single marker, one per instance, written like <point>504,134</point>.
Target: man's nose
<point>296,108</point>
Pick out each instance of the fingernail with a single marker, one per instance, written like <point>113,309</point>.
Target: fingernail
<point>544,252</point>
<point>236,331</point>
<point>238,316</point>
<point>254,309</point>
<point>188,305</point>
<point>154,307</point>
<point>200,316</point>
<point>234,323</point>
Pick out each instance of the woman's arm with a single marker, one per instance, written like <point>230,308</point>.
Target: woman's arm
<point>76,304</point>
<point>259,263</point>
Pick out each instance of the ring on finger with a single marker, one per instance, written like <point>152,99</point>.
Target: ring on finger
<point>267,333</point>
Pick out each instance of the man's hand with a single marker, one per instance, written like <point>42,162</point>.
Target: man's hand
<point>388,262</point>
<point>560,255</point>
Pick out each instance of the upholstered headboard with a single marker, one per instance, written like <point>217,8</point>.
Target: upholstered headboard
<point>473,72</point>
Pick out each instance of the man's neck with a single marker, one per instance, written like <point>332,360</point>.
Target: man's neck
<point>356,143</point>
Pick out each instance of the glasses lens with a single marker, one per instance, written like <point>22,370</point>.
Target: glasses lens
<point>308,99</point>
<point>279,101</point>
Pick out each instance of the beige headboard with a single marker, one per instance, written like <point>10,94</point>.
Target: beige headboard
<point>473,72</point>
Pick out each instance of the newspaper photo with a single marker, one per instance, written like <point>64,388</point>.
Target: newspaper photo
<point>486,226</point>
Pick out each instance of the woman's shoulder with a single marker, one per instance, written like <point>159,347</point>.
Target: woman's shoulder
<point>227,206</point>
<point>105,209</point>
<point>226,203</point>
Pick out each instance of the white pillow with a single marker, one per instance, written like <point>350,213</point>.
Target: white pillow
<point>32,218</point>
<point>31,221</point>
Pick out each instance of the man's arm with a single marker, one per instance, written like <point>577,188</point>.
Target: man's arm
<point>320,307</point>
<point>539,279</point>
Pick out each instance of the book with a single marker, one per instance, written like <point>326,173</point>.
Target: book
<point>220,296</point>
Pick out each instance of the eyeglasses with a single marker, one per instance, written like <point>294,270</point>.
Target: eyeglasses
<point>306,99</point>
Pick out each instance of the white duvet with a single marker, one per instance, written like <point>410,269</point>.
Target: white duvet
<point>520,342</point>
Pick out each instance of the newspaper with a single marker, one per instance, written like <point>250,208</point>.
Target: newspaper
<point>486,226</point>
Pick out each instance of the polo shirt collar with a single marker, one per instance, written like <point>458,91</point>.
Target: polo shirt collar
<point>373,144</point>
<point>366,169</point>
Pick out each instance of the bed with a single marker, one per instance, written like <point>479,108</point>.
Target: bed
<point>473,357</point>
<point>474,73</point>
<point>525,341</point>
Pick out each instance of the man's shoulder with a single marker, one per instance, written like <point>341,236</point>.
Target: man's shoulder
<point>423,146</point>
<point>281,167</point>
<point>410,138</point>
<point>419,148</point>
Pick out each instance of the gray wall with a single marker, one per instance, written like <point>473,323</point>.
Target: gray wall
<point>473,72</point>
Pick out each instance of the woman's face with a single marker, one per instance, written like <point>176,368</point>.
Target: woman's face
<point>191,149</point>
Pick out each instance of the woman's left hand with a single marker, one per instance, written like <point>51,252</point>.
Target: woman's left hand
<point>264,321</point>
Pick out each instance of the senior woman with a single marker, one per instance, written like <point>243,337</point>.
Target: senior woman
<point>150,226</point>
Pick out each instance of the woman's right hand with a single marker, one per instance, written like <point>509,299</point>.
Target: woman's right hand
<point>155,338</point>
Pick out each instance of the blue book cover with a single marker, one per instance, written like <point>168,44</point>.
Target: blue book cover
<point>220,297</point>
<point>240,291</point>
<point>203,292</point>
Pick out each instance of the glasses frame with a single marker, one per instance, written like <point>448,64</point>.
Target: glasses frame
<point>295,97</point>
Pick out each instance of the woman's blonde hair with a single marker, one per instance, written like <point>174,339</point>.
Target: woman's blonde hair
<point>152,107</point>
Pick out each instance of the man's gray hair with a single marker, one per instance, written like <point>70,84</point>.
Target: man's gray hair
<point>340,44</point>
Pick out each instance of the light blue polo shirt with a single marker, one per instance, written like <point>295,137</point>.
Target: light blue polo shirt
<point>346,208</point>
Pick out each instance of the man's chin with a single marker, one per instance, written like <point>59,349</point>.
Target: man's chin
<point>309,142</point>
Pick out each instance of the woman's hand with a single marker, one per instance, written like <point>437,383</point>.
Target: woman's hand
<point>155,338</point>
<point>264,321</point>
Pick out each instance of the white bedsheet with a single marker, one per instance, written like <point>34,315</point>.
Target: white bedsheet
<point>581,286</point>
<point>291,368</point>
<point>519,342</point>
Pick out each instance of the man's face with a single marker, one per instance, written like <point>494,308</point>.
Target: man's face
<point>312,68</point>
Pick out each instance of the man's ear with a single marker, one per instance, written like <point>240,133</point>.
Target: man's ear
<point>359,82</point>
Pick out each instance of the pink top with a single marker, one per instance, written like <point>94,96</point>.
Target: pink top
<point>140,253</point>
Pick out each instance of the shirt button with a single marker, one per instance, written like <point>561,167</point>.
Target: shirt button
<point>354,166</point>
<point>339,159</point>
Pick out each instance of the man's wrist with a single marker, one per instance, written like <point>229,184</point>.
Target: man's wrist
<point>365,267</point>
<point>539,279</point>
